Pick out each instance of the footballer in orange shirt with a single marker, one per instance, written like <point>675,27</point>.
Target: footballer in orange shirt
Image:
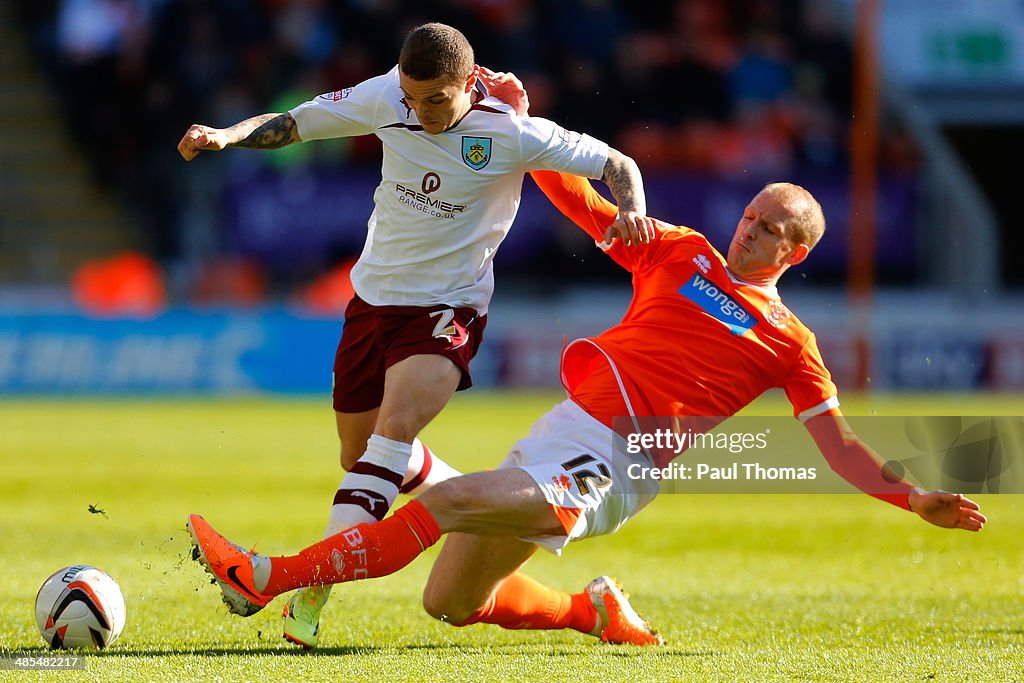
<point>703,336</point>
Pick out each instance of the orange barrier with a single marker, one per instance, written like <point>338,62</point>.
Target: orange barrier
<point>330,293</point>
<point>127,283</point>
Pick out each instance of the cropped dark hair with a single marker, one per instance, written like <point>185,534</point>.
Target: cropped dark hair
<point>433,51</point>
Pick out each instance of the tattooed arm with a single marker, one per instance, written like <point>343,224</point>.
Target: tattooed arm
<point>267,131</point>
<point>622,176</point>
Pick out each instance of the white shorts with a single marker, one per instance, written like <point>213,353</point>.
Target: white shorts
<point>575,462</point>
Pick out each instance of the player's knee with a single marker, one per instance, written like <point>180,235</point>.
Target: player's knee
<point>444,608</point>
<point>434,606</point>
<point>458,496</point>
<point>398,427</point>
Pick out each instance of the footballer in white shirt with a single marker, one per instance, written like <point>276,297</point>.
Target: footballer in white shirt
<point>451,179</point>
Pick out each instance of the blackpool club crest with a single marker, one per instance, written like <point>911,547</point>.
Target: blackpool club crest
<point>476,152</point>
<point>776,313</point>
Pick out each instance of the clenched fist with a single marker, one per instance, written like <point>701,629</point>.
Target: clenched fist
<point>199,137</point>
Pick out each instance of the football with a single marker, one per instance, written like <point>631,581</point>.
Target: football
<point>80,607</point>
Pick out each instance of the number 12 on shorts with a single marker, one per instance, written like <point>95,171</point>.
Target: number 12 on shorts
<point>585,478</point>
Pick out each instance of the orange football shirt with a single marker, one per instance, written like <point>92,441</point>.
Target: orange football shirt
<point>695,341</point>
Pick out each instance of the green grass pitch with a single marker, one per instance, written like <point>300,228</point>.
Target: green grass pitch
<point>836,587</point>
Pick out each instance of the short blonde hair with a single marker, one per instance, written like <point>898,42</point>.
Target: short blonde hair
<point>808,224</point>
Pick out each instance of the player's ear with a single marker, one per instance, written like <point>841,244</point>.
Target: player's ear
<point>471,81</point>
<point>798,254</point>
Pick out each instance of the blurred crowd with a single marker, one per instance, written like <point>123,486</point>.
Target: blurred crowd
<point>709,86</point>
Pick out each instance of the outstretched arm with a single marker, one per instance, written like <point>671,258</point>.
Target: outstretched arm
<point>577,199</point>
<point>853,460</point>
<point>266,131</point>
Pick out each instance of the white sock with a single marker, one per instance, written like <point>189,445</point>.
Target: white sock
<point>369,489</point>
<point>425,470</point>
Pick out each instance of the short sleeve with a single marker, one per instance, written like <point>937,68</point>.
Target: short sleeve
<point>809,385</point>
<point>343,113</point>
<point>547,146</point>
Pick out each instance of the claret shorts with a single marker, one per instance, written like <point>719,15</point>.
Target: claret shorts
<point>376,337</point>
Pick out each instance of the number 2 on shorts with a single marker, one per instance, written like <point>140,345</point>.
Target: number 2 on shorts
<point>443,328</point>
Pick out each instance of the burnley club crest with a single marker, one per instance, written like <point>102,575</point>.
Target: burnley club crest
<point>476,152</point>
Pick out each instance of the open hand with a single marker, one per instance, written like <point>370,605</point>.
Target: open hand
<point>948,510</point>
<point>506,87</point>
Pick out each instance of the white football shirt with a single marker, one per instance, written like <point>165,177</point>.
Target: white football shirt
<point>445,202</point>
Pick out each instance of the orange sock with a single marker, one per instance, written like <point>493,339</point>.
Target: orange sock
<point>522,603</point>
<point>363,552</point>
